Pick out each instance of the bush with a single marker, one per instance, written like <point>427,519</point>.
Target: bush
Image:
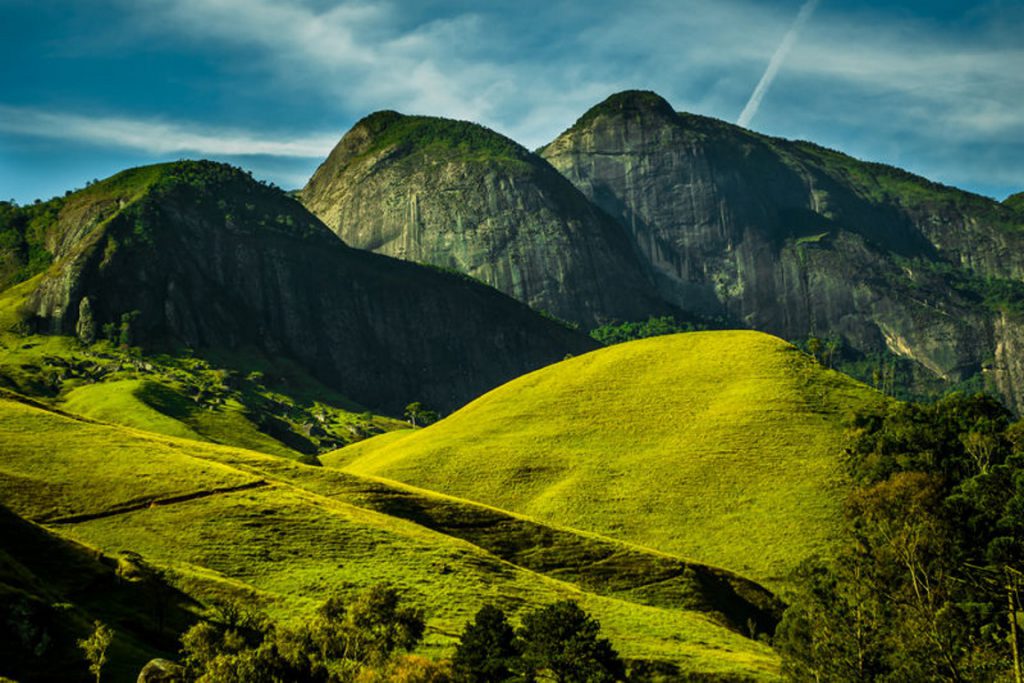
<point>342,642</point>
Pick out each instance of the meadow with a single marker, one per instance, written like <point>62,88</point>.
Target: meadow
<point>225,522</point>
<point>720,447</point>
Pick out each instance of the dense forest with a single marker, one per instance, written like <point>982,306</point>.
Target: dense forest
<point>925,583</point>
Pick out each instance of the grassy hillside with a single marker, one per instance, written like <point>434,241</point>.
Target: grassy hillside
<point>225,521</point>
<point>721,447</point>
<point>240,397</point>
<point>52,590</point>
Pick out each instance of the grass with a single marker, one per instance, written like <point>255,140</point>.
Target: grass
<point>52,590</point>
<point>191,509</point>
<point>121,402</point>
<point>721,447</point>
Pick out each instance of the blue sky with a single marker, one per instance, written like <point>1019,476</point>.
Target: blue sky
<point>88,87</point>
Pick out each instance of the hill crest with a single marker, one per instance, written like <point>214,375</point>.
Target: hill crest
<point>720,447</point>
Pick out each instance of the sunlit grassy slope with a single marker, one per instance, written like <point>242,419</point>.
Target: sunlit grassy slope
<point>226,521</point>
<point>238,397</point>
<point>721,447</point>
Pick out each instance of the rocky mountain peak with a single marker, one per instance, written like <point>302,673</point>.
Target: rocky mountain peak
<point>460,196</point>
<point>631,103</point>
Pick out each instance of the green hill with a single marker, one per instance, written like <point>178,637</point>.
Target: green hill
<point>721,447</point>
<point>221,521</point>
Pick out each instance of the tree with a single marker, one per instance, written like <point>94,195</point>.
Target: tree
<point>374,626</point>
<point>561,640</point>
<point>342,642</point>
<point>487,651</point>
<point>95,647</point>
<point>814,346</point>
<point>419,414</point>
<point>924,583</point>
<point>127,336</point>
<point>86,326</point>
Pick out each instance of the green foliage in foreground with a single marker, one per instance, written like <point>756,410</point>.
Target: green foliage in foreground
<point>362,640</point>
<point>95,648</point>
<point>926,583</point>
<point>558,642</point>
<point>340,643</point>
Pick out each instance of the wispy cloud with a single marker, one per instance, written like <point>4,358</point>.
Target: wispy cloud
<point>157,137</point>
<point>368,56</point>
<point>878,83</point>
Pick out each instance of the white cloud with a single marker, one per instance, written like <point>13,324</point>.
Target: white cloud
<point>881,84</point>
<point>157,137</point>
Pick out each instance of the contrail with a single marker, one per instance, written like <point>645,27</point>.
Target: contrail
<point>773,66</point>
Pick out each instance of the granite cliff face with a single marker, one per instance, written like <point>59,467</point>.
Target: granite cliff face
<point>460,196</point>
<point>198,253</point>
<point>797,240</point>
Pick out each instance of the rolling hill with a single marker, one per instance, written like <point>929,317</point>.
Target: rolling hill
<point>219,521</point>
<point>720,447</point>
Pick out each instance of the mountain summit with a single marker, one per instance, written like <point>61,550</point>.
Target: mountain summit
<point>458,195</point>
<point>798,240</point>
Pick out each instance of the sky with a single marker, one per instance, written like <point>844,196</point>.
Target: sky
<point>89,87</point>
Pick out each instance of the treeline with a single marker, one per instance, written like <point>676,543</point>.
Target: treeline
<point>370,638</point>
<point>652,327</point>
<point>925,583</point>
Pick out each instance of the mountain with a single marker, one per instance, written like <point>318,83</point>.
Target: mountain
<point>199,255</point>
<point>798,240</point>
<point>218,522</point>
<point>720,447</point>
<point>458,195</point>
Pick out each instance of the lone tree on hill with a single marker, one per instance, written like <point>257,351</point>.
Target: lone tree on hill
<point>562,641</point>
<point>95,648</point>
<point>86,326</point>
<point>419,415</point>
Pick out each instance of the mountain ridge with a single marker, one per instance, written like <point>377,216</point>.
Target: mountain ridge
<point>203,256</point>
